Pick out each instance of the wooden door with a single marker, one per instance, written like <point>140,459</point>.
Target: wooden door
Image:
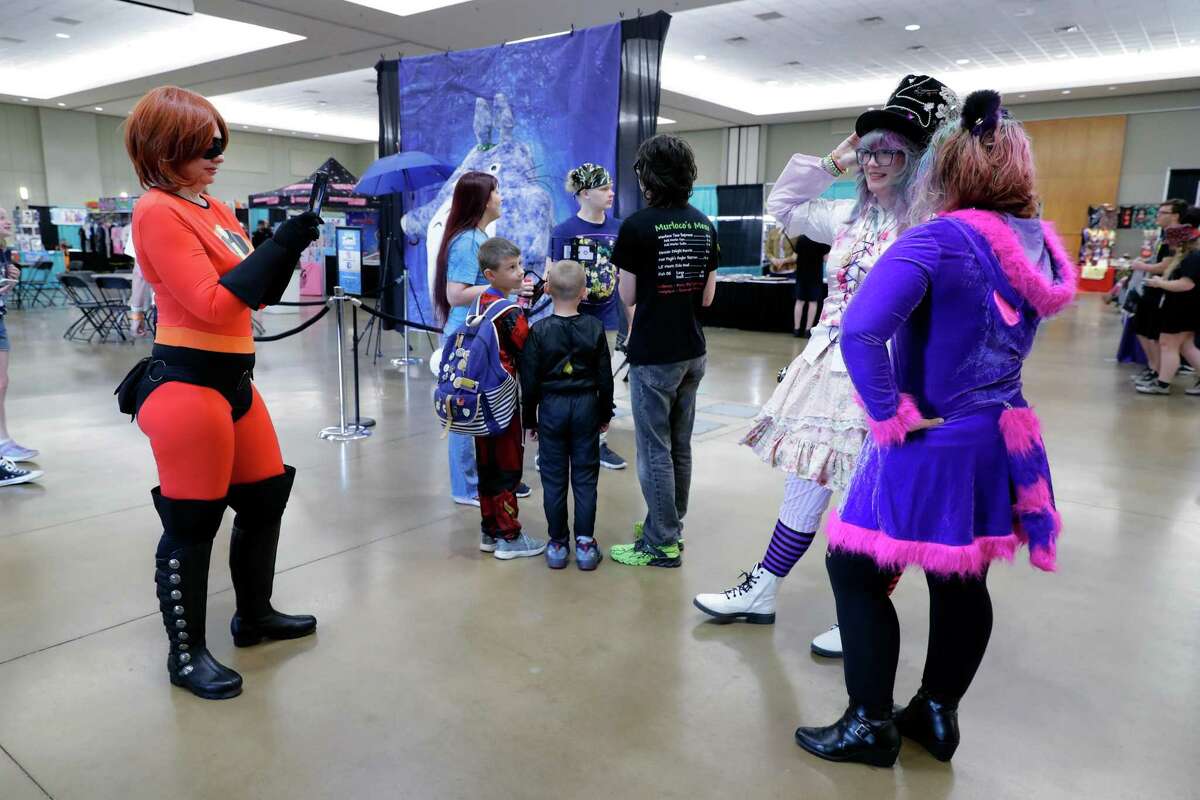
<point>1078,165</point>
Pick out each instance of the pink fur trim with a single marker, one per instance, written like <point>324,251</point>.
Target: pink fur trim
<point>1045,558</point>
<point>895,428</point>
<point>1021,430</point>
<point>1047,298</point>
<point>1034,499</point>
<point>940,559</point>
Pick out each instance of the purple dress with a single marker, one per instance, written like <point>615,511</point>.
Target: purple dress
<point>960,298</point>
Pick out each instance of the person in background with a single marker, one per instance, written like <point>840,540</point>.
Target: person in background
<point>668,256</point>
<point>141,295</point>
<point>213,440</point>
<point>261,234</point>
<point>11,453</point>
<point>500,459</point>
<point>954,474</point>
<point>588,238</point>
<point>1146,317</point>
<point>567,392</point>
<point>457,285</point>
<point>1179,314</point>
<point>812,429</point>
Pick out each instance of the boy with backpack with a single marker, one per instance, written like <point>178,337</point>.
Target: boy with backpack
<point>477,395</point>
<point>567,393</point>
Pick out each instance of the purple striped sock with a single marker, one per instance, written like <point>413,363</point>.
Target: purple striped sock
<point>785,549</point>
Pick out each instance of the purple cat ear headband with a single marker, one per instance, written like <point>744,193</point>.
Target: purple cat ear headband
<point>982,112</point>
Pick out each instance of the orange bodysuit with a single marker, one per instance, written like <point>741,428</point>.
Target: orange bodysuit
<point>184,249</point>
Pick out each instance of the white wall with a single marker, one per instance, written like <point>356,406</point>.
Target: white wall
<point>21,161</point>
<point>70,157</point>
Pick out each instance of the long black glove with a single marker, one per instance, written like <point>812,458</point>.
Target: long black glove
<point>263,275</point>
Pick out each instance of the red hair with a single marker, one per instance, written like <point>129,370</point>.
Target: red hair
<point>993,172</point>
<point>168,128</point>
<point>471,196</point>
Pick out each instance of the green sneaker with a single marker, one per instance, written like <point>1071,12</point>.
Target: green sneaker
<point>639,527</point>
<point>640,554</point>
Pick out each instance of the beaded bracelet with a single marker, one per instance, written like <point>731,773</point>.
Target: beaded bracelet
<point>831,166</point>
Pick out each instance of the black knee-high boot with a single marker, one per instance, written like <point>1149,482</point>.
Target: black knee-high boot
<point>181,577</point>
<point>252,550</point>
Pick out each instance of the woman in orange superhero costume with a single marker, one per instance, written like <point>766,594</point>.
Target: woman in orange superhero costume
<point>212,437</point>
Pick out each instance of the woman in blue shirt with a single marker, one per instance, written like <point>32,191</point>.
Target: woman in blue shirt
<point>459,282</point>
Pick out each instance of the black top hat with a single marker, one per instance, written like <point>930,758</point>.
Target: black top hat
<point>915,110</point>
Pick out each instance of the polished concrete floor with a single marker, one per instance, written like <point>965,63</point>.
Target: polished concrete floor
<point>438,672</point>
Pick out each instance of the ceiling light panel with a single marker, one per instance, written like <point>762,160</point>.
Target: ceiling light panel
<point>853,60</point>
<point>342,106</point>
<point>115,42</point>
<point>406,8</point>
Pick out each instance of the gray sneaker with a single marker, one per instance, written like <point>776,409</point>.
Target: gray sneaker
<point>16,453</point>
<point>609,459</point>
<point>487,544</point>
<point>1195,390</point>
<point>524,546</point>
<point>11,474</point>
<point>1155,387</point>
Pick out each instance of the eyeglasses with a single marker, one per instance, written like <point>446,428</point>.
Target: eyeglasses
<point>883,158</point>
<point>217,148</point>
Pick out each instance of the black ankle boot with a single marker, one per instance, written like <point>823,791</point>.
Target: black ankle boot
<point>855,737</point>
<point>252,550</point>
<point>931,724</point>
<point>181,578</point>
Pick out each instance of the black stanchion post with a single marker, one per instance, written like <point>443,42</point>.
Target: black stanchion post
<point>359,420</point>
<point>342,432</point>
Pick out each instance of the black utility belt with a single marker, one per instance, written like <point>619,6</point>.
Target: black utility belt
<point>231,377</point>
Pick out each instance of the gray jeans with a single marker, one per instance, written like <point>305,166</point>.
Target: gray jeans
<point>664,410</point>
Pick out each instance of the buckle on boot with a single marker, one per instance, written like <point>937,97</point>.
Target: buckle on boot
<point>860,730</point>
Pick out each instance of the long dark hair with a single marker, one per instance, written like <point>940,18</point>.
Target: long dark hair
<point>666,168</point>
<point>471,196</point>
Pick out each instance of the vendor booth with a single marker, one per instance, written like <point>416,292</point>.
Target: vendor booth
<point>342,208</point>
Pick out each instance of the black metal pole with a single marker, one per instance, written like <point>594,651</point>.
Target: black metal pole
<point>359,420</point>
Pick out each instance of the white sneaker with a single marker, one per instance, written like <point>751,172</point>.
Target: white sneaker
<point>1195,390</point>
<point>752,600</point>
<point>524,546</point>
<point>828,644</point>
<point>466,501</point>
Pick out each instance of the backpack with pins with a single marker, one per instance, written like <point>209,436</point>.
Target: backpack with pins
<point>475,395</point>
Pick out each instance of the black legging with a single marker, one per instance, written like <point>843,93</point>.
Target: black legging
<point>960,623</point>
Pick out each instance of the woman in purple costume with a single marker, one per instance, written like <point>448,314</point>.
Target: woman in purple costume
<point>953,474</point>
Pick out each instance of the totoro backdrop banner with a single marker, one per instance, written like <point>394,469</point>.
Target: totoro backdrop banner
<point>527,113</point>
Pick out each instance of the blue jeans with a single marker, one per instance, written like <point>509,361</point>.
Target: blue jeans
<point>664,410</point>
<point>464,477</point>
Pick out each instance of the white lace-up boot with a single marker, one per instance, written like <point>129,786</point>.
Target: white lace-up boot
<point>752,600</point>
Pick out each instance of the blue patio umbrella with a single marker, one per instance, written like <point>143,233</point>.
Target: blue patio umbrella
<point>402,172</point>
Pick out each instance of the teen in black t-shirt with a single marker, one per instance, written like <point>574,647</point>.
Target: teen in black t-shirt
<point>672,254</point>
<point>667,255</point>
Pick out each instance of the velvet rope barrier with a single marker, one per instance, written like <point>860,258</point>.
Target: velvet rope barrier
<point>298,328</point>
<point>395,320</point>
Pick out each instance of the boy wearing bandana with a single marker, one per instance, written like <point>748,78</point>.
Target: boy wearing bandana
<point>588,238</point>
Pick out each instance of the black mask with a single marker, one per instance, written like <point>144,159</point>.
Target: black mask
<point>217,148</point>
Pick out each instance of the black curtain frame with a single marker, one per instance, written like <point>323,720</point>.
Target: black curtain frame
<point>391,206</point>
<point>641,56</point>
